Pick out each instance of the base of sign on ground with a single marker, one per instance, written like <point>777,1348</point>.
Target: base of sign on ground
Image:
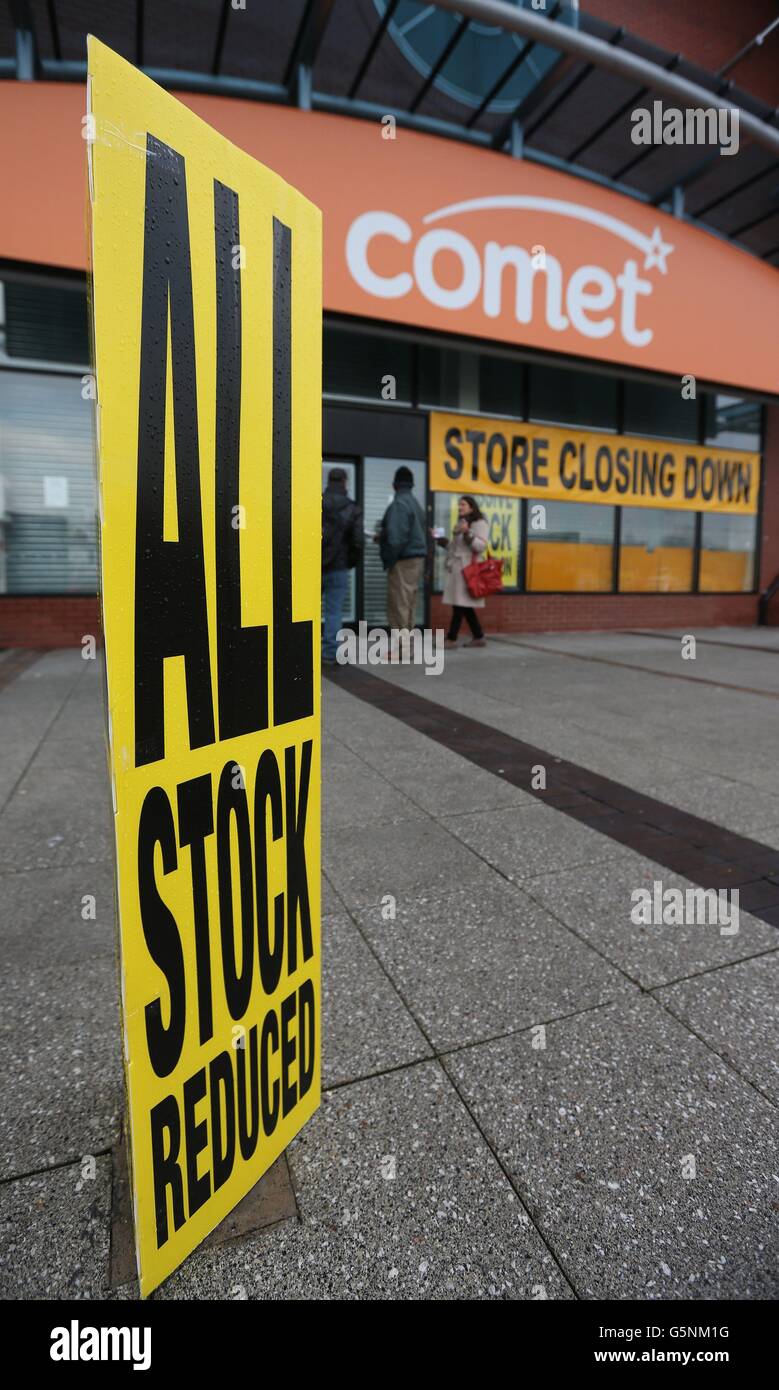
<point>527,1096</point>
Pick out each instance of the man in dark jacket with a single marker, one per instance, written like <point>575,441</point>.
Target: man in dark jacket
<point>342,542</point>
<point>403,545</point>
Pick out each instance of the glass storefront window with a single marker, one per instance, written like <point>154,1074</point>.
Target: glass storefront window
<point>657,550</point>
<point>561,396</point>
<point>727,562</point>
<point>502,515</point>
<point>448,377</point>
<point>48,538</point>
<point>358,365</point>
<point>45,323</point>
<point>732,423</point>
<point>570,546</point>
<point>501,390</point>
<point>659,411</point>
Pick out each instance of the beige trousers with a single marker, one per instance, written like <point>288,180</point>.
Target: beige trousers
<point>402,585</point>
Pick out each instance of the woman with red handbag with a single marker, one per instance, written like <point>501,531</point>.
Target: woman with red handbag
<point>469,541</point>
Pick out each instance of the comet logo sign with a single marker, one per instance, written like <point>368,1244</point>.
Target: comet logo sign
<point>507,277</point>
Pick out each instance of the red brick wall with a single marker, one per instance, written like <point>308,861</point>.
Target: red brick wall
<point>769,549</point>
<point>47,622</point>
<point>583,612</point>
<point>708,32</point>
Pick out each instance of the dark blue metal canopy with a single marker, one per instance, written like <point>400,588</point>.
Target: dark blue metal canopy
<point>447,68</point>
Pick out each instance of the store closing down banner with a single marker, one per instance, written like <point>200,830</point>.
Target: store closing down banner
<point>473,454</point>
<point>207,333</point>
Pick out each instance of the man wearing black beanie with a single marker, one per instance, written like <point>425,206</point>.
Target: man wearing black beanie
<point>403,545</point>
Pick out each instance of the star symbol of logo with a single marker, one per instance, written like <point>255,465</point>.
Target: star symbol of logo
<point>657,251</point>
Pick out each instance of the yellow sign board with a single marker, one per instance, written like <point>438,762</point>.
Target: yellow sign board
<point>473,454</point>
<point>207,324</point>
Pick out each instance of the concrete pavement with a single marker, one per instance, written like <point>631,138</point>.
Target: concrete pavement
<point>526,1095</point>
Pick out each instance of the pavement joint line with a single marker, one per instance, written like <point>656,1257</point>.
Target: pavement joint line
<point>691,770</point>
<point>632,666</point>
<point>646,991</point>
<point>438,1055</point>
<point>482,811</point>
<point>52,1167</point>
<point>528,1028</point>
<point>703,852</point>
<point>381,1071</point>
<point>16,661</point>
<point>11,872</point>
<point>702,641</point>
<point>332,886</point>
<point>41,740</point>
<point>522,887</point>
<point>437,1058</point>
<point>597,949</point>
<point>710,970</point>
<point>725,1059</point>
<point>523,1198</point>
<point>526,1200</point>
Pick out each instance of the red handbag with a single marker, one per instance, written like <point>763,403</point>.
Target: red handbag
<point>484,577</point>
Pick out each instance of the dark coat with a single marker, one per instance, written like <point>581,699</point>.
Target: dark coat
<point>403,533</point>
<point>342,533</point>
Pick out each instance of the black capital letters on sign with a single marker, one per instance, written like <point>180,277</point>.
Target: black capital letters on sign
<point>293,643</point>
<point>242,652</point>
<point>170,596</point>
<point>161,933</point>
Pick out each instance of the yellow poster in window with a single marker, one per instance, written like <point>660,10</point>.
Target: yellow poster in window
<point>502,517</point>
<point>207,299</point>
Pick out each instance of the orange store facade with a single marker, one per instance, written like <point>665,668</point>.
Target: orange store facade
<point>602,375</point>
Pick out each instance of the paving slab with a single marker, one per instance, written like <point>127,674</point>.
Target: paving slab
<point>366,1027</point>
<point>447,1226</point>
<point>524,843</point>
<point>437,780</point>
<point>768,835</point>
<point>60,1063</point>
<point>739,806</point>
<point>365,864</point>
<point>481,961</point>
<point>612,719</point>
<point>47,916</point>
<point>55,1233</point>
<point>355,794</point>
<point>595,902</point>
<point>655,1079</point>
<point>597,1130</point>
<point>736,1011</point>
<point>57,817</point>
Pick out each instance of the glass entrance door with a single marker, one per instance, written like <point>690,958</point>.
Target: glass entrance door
<point>377,495</point>
<point>350,469</point>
